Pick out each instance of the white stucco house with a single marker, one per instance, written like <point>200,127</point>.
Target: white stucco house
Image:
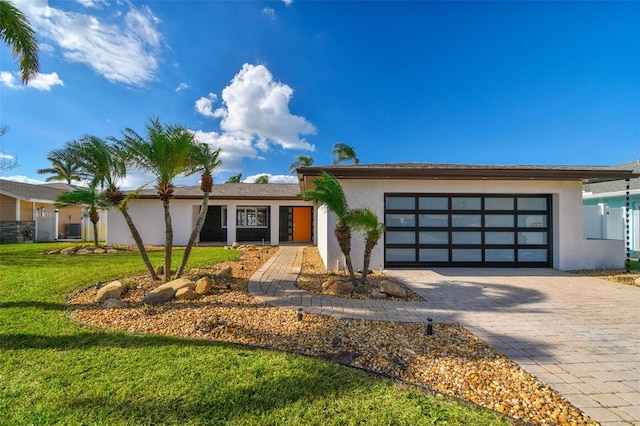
<point>436,215</point>
<point>471,215</point>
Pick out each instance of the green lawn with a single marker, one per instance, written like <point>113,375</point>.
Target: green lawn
<point>53,370</point>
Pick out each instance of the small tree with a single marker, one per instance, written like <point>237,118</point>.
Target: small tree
<point>90,198</point>
<point>328,192</point>
<point>205,161</point>
<point>366,222</point>
<point>235,179</point>
<point>301,161</point>
<point>7,162</point>
<point>262,179</point>
<point>64,166</point>
<point>343,152</point>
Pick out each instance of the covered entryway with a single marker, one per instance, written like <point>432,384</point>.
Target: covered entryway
<point>497,230</point>
<point>296,224</point>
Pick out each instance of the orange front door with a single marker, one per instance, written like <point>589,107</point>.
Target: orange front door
<point>302,223</point>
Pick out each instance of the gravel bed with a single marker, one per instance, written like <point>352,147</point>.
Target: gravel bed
<point>452,361</point>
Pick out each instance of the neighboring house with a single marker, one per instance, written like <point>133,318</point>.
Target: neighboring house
<point>238,212</point>
<point>605,204</point>
<point>28,213</point>
<point>471,215</point>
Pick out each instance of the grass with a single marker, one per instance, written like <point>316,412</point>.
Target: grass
<point>55,371</point>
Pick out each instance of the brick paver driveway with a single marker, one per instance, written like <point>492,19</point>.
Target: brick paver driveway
<point>580,335</point>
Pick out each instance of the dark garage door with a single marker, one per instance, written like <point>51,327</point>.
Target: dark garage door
<point>467,230</point>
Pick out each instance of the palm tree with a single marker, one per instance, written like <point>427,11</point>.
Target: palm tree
<point>262,179</point>
<point>104,164</point>
<point>17,34</point>
<point>366,222</point>
<point>235,179</point>
<point>301,161</point>
<point>204,161</point>
<point>89,197</point>
<point>328,192</point>
<point>64,167</point>
<point>165,152</point>
<point>344,152</point>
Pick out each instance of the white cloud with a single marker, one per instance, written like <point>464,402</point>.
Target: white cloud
<point>93,3</point>
<point>182,86</point>
<point>269,12</point>
<point>122,47</point>
<point>40,82</point>
<point>255,104</point>
<point>204,105</point>
<point>4,156</point>
<point>235,147</point>
<point>23,179</point>
<point>272,178</point>
<point>287,2</point>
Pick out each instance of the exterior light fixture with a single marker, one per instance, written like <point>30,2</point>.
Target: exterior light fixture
<point>429,326</point>
<point>299,314</point>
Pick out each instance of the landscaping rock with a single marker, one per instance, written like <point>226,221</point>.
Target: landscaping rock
<point>225,273</point>
<point>338,287</point>
<point>637,281</point>
<point>57,251</point>
<point>99,251</point>
<point>186,293</point>
<point>113,290</point>
<point>377,295</point>
<point>69,250</point>
<point>392,289</point>
<point>158,295</point>
<point>204,285</point>
<point>178,284</point>
<point>114,304</point>
<point>112,251</point>
<point>84,251</point>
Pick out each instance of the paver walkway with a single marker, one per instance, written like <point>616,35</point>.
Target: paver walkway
<point>580,335</point>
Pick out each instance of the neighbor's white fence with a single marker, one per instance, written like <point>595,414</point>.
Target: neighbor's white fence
<point>604,223</point>
<point>46,225</point>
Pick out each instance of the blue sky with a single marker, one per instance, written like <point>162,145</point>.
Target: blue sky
<point>445,82</point>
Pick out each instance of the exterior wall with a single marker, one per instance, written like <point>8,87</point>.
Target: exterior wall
<point>570,250</point>
<point>17,232</point>
<point>148,217</point>
<point>7,208</point>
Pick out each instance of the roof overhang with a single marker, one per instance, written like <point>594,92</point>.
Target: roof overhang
<point>419,171</point>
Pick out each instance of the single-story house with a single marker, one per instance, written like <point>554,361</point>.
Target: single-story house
<point>28,213</point>
<point>266,213</point>
<point>608,203</point>
<point>436,215</point>
<point>471,215</point>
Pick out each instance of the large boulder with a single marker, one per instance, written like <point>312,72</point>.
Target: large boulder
<point>113,290</point>
<point>204,285</point>
<point>336,287</point>
<point>158,295</point>
<point>186,293</point>
<point>392,289</point>
<point>114,304</point>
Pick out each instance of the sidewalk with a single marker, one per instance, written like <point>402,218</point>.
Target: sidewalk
<point>555,325</point>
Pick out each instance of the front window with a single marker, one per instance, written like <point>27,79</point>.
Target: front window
<point>252,217</point>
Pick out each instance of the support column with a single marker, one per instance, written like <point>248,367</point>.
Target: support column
<point>274,223</point>
<point>627,235</point>
<point>231,224</point>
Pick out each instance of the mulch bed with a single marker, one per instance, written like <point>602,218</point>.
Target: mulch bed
<point>452,361</point>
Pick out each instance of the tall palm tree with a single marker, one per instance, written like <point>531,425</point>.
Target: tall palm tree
<point>64,167</point>
<point>17,34</point>
<point>366,222</point>
<point>104,163</point>
<point>301,161</point>
<point>262,179</point>
<point>204,161</point>
<point>235,179</point>
<point>89,197</point>
<point>165,152</point>
<point>328,192</point>
<point>343,152</point>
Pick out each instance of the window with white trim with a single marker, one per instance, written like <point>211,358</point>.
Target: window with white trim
<point>252,217</point>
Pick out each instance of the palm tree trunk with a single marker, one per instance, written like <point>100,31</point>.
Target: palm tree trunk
<point>343,235</point>
<point>95,233</point>
<point>194,233</point>
<point>168,242</point>
<point>138,239</point>
<point>368,248</point>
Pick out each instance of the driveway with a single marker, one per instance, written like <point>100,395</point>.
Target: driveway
<point>578,334</point>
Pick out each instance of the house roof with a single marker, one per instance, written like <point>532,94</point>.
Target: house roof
<point>598,186</point>
<point>465,172</point>
<point>34,193</point>
<point>235,191</point>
